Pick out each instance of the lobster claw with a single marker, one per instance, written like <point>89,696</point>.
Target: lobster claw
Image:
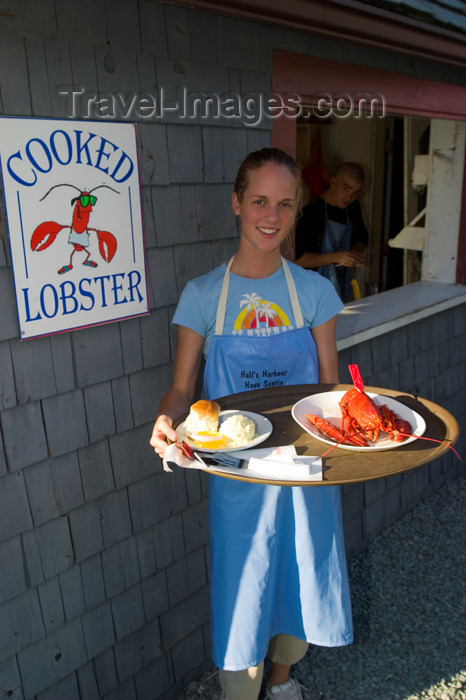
<point>107,245</point>
<point>44,235</point>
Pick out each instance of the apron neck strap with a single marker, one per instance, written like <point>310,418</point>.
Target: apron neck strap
<point>222,302</point>
<point>297,313</point>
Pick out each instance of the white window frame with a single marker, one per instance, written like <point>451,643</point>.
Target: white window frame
<point>444,199</point>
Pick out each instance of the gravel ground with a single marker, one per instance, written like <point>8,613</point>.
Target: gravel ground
<point>408,591</point>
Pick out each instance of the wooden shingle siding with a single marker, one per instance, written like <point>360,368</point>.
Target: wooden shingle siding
<point>105,564</point>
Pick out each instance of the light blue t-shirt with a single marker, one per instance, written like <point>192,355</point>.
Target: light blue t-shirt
<point>255,307</point>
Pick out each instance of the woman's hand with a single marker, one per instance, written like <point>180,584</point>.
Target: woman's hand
<point>161,433</point>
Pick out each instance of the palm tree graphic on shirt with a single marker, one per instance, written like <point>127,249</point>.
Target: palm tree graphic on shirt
<point>257,311</point>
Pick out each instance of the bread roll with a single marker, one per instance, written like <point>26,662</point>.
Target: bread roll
<point>203,417</point>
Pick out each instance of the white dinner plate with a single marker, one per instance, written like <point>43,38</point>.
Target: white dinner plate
<point>263,431</point>
<point>326,406</point>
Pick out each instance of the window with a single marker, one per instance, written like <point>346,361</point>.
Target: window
<point>423,134</point>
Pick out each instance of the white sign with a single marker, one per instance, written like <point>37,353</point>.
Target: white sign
<point>73,203</point>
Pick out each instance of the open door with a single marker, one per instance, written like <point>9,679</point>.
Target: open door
<point>410,178</point>
<point>394,154</point>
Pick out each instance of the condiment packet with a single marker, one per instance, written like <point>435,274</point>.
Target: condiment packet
<point>288,469</point>
<point>265,452</point>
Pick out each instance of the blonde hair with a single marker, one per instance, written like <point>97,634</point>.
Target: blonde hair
<point>257,160</point>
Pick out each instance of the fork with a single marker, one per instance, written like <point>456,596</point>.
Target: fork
<point>221,459</point>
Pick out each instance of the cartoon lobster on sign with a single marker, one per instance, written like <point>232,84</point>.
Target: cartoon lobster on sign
<point>44,235</point>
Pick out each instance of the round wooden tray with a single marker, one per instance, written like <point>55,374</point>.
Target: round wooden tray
<point>342,466</point>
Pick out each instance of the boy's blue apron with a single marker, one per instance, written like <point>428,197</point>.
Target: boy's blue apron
<point>277,553</point>
<point>337,237</point>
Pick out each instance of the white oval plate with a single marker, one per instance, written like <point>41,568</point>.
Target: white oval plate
<point>263,431</point>
<point>326,406</point>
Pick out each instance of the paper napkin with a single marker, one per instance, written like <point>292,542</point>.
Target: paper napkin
<point>273,463</point>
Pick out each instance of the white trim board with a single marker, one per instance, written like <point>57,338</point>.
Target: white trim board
<point>381,313</point>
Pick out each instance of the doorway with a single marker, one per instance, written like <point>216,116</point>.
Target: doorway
<point>387,149</point>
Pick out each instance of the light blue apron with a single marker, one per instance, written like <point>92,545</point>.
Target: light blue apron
<point>337,237</point>
<point>277,553</point>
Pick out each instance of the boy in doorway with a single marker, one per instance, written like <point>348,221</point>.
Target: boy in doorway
<point>331,236</point>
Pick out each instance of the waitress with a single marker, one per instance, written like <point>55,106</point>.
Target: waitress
<point>278,567</point>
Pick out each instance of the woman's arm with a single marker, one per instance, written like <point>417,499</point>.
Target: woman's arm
<point>325,340</point>
<point>180,396</point>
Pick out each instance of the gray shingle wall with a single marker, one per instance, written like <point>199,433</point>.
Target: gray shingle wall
<point>424,359</point>
<point>103,592</point>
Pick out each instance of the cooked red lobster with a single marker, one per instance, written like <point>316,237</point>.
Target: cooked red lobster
<point>362,420</point>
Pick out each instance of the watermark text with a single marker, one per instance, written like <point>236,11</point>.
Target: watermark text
<point>251,109</point>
